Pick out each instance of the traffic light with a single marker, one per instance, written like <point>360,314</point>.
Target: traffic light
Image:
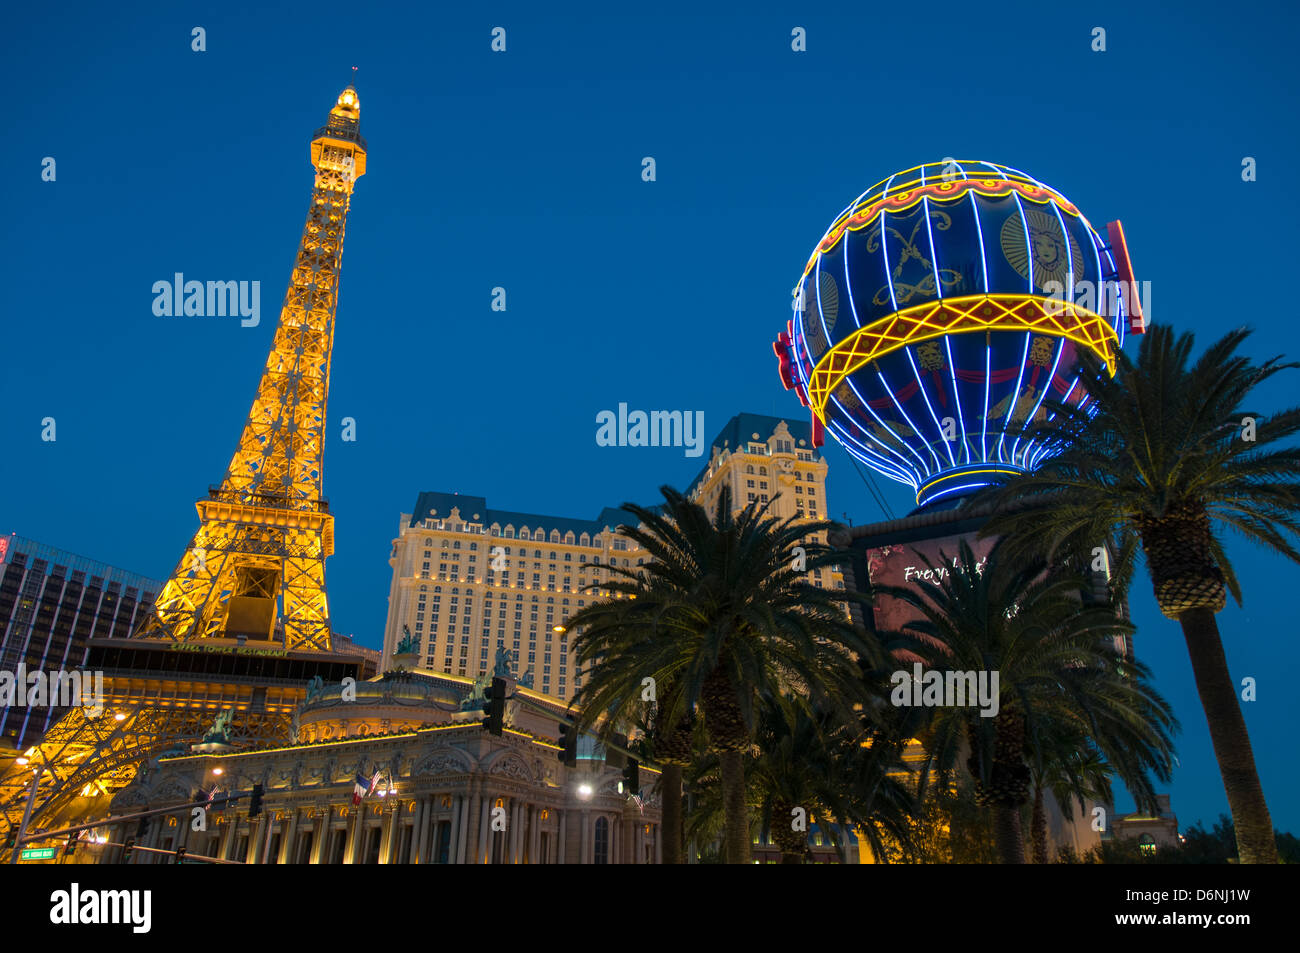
<point>142,829</point>
<point>568,753</point>
<point>70,846</point>
<point>180,854</point>
<point>126,851</point>
<point>255,802</point>
<point>11,839</point>
<point>494,706</point>
<point>631,776</point>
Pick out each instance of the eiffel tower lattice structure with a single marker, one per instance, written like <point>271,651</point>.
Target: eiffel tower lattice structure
<point>243,621</point>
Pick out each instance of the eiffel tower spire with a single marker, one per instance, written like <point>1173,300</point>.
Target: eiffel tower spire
<point>256,567</point>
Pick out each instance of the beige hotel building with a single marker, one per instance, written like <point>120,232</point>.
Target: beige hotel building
<point>468,578</point>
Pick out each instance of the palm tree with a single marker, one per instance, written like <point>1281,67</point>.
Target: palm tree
<point>723,614</point>
<point>1056,666</point>
<point>1067,764</point>
<point>1168,453</point>
<point>834,772</point>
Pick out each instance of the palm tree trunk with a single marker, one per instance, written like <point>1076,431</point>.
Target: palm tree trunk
<point>1038,828</point>
<point>1007,833</point>
<point>1255,838</point>
<point>671,796</point>
<point>736,839</point>
<point>791,858</point>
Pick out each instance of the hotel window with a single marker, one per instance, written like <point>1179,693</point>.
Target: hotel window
<point>812,491</point>
<point>751,498</point>
<point>749,483</point>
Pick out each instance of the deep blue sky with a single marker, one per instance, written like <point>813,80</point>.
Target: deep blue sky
<point>522,170</point>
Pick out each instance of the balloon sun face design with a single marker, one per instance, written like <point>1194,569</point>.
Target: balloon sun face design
<point>1050,249</point>
<point>929,326</point>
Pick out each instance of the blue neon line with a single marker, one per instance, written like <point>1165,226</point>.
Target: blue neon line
<point>1029,242</point>
<point>890,430</point>
<point>934,254</point>
<point>1069,252</point>
<point>885,255</point>
<point>1015,399</point>
<point>953,489</point>
<point>903,461</point>
<point>952,369</point>
<point>899,474</point>
<point>984,261</point>
<point>853,452</point>
<point>890,391</point>
<point>848,283</point>
<point>988,370</point>
<point>821,314</point>
<point>915,370</point>
<point>1060,349</point>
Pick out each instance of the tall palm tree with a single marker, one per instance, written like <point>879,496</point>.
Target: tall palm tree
<point>1056,665</point>
<point>1170,453</point>
<point>723,613</point>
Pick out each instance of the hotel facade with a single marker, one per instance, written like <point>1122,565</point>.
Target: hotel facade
<point>469,579</point>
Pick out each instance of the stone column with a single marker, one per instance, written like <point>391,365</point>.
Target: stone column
<point>535,835</point>
<point>228,839</point>
<point>561,851</point>
<point>318,845</point>
<point>288,834</point>
<point>485,814</point>
<point>516,823</point>
<point>657,833</point>
<point>468,804</point>
<point>585,853</point>
<point>388,839</point>
<point>357,821</point>
<point>454,840</point>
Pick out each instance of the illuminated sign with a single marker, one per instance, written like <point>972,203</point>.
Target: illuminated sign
<point>39,853</point>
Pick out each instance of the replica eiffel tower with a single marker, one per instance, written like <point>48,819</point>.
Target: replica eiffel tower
<point>243,621</point>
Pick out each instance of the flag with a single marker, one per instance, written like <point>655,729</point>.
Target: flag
<point>374,783</point>
<point>358,788</point>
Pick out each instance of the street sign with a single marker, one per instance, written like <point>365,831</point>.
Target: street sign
<point>38,853</point>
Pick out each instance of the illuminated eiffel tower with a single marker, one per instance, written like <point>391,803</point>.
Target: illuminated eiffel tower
<point>243,621</point>
<point>265,532</point>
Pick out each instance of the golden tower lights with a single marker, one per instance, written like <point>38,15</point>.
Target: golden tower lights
<point>265,532</point>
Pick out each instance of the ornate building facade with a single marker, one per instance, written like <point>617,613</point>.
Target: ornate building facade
<point>438,787</point>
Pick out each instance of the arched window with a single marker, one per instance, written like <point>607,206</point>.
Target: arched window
<point>1147,844</point>
<point>762,471</point>
<point>555,535</point>
<point>428,540</point>
<point>523,533</point>
<point>602,841</point>
<point>584,540</point>
<point>749,468</point>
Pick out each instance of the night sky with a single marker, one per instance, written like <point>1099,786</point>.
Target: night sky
<point>522,170</point>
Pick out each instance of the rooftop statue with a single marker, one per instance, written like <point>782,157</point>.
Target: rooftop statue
<point>408,644</point>
<point>504,662</point>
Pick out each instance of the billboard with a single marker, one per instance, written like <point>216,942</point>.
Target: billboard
<point>901,564</point>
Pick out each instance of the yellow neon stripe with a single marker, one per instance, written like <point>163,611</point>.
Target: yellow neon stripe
<point>862,216</point>
<point>970,313</point>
